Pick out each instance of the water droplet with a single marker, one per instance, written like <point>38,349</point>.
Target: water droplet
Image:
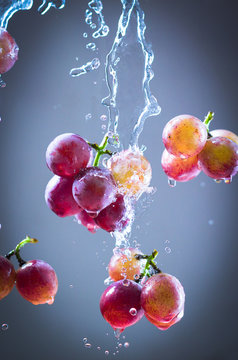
<point>51,300</point>
<point>168,250</point>
<point>171,182</point>
<point>114,354</point>
<point>126,282</point>
<point>120,345</point>
<point>84,69</point>
<point>116,61</point>
<point>85,340</point>
<point>218,181</point>
<point>4,327</point>
<point>228,181</point>
<point>117,333</point>
<point>71,286</point>
<point>93,26</point>
<point>106,352</point>
<point>2,83</point>
<point>103,118</point>
<point>136,276</point>
<point>85,35</point>
<point>88,346</point>
<point>104,127</point>
<point>126,345</point>
<point>106,334</point>
<point>91,46</point>
<point>123,337</point>
<point>98,348</point>
<point>133,311</point>
<point>108,281</point>
<point>88,117</point>
<point>211,222</point>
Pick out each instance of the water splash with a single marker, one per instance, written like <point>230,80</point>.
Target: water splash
<point>103,29</point>
<point>151,107</point>
<point>84,69</point>
<point>9,7</point>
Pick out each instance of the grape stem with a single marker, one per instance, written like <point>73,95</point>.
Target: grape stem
<point>16,251</point>
<point>149,263</point>
<point>208,118</point>
<point>100,149</point>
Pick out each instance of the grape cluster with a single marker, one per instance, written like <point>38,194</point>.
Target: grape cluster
<point>35,280</point>
<point>190,148</point>
<point>159,297</point>
<point>98,197</point>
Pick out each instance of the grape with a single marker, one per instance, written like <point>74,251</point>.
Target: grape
<point>180,169</point>
<point>117,301</point>
<point>7,277</point>
<point>184,136</point>
<point>67,154</point>
<point>8,51</point>
<point>94,189</point>
<point>59,197</point>
<point>121,266</point>
<point>219,158</point>
<point>131,170</point>
<point>37,282</point>
<point>112,218</point>
<point>162,299</point>
<point>87,221</point>
<point>225,133</point>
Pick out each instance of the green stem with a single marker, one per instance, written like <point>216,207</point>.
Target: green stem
<point>149,263</point>
<point>16,251</point>
<point>208,118</point>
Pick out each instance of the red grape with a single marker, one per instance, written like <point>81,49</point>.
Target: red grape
<point>7,277</point>
<point>87,221</point>
<point>67,154</point>
<point>37,282</point>
<point>179,169</point>
<point>131,170</point>
<point>59,197</point>
<point>8,51</point>
<point>225,133</point>
<point>184,136</point>
<point>121,265</point>
<point>162,299</point>
<point>219,158</point>
<point>94,189</point>
<point>120,304</point>
<point>113,217</point>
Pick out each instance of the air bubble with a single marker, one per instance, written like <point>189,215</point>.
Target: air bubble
<point>126,282</point>
<point>71,286</point>
<point>91,46</point>
<point>106,352</point>
<point>126,345</point>
<point>88,346</point>
<point>228,181</point>
<point>136,276</point>
<point>218,181</point>
<point>85,35</point>
<point>93,26</point>
<point>104,127</point>
<point>98,348</point>
<point>88,116</point>
<point>4,327</point>
<point>133,311</point>
<point>117,333</point>
<point>171,182</point>
<point>85,340</point>
<point>120,345</point>
<point>168,250</point>
<point>103,117</point>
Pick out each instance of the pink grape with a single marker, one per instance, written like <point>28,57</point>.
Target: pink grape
<point>87,221</point>
<point>117,301</point>
<point>121,265</point>
<point>94,189</point>
<point>59,197</point>
<point>180,169</point>
<point>162,299</point>
<point>7,277</point>
<point>184,136</point>
<point>8,51</point>
<point>219,158</point>
<point>225,133</point>
<point>67,154</point>
<point>112,217</point>
<point>37,282</point>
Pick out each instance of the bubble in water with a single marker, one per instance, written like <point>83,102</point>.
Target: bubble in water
<point>71,286</point>
<point>126,282</point>
<point>85,340</point>
<point>107,281</point>
<point>85,35</point>
<point>120,345</point>
<point>84,69</point>
<point>136,276</point>
<point>133,311</point>
<point>117,333</point>
<point>123,337</point>
<point>98,348</point>
<point>218,181</point>
<point>88,346</point>
<point>171,182</point>
<point>88,16</point>
<point>88,116</point>
<point>4,327</point>
<point>106,352</point>
<point>91,46</point>
<point>117,61</point>
<point>126,345</point>
<point>93,26</point>
<point>168,250</point>
<point>104,127</point>
<point>228,181</point>
<point>2,83</point>
<point>211,222</point>
<point>103,118</point>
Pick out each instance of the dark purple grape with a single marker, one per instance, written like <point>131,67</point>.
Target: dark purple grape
<point>7,277</point>
<point>94,189</point>
<point>113,217</point>
<point>120,304</point>
<point>8,51</point>
<point>67,154</point>
<point>59,197</point>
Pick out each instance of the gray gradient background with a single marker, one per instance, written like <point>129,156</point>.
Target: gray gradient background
<point>196,52</point>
